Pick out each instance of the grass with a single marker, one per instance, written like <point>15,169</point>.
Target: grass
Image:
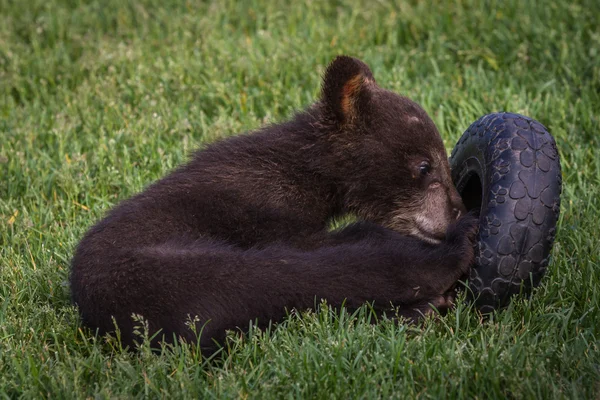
<point>100,98</point>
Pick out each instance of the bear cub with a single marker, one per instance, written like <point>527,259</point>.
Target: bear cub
<point>240,233</point>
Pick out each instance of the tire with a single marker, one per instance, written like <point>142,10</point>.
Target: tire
<point>506,168</point>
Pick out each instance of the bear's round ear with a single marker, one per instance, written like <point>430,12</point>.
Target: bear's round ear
<point>345,90</point>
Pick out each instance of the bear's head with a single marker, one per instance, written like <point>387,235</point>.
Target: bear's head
<point>386,154</point>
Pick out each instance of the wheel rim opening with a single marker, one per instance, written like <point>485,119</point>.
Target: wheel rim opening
<point>472,194</point>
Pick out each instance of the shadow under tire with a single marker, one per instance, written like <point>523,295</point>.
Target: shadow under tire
<point>507,169</point>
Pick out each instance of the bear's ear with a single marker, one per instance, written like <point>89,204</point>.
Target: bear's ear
<point>345,90</point>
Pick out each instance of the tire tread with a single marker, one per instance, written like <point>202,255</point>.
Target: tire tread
<point>519,168</point>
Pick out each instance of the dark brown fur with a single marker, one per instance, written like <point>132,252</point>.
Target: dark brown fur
<point>240,232</point>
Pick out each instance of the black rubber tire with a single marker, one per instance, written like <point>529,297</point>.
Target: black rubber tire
<point>507,167</point>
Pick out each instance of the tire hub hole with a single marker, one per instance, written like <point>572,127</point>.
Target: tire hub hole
<point>472,194</point>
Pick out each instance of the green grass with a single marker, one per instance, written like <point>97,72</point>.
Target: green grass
<point>100,98</point>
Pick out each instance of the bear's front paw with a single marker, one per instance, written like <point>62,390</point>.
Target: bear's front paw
<point>437,305</point>
<point>462,236</point>
<point>466,227</point>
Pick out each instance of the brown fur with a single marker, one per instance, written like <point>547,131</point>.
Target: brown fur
<point>349,94</point>
<point>240,232</point>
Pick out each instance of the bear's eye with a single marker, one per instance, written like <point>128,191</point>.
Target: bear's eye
<point>424,168</point>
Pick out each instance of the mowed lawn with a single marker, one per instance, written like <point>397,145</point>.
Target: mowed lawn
<point>100,98</point>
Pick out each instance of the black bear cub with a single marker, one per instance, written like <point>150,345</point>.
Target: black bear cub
<point>240,232</point>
